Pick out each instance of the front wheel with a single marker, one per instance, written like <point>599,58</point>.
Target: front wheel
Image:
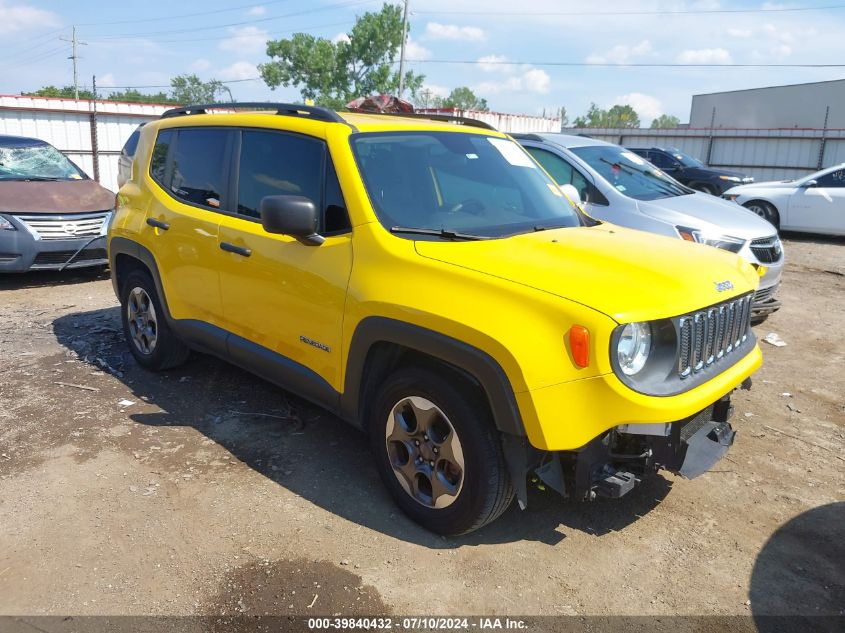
<point>764,210</point>
<point>438,452</point>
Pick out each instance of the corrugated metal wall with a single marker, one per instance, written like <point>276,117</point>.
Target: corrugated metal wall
<point>66,124</point>
<point>764,154</point>
<point>514,123</point>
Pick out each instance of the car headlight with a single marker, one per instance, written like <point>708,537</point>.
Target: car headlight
<point>730,178</point>
<point>633,347</point>
<point>725,242</point>
<point>5,225</point>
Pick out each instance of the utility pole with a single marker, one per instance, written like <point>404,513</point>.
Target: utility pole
<point>402,50</point>
<point>73,56</point>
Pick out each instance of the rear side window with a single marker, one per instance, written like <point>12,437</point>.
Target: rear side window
<point>277,164</point>
<point>199,171</point>
<point>158,163</point>
<point>131,144</point>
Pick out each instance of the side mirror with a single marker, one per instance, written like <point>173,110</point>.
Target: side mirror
<point>291,215</point>
<point>810,183</point>
<point>571,194</point>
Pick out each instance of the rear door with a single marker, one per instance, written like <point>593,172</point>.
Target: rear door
<point>191,167</point>
<point>280,296</point>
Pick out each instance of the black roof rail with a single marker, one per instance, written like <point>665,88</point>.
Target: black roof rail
<point>448,118</point>
<point>286,109</point>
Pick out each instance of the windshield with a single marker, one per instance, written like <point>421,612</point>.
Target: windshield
<point>628,173</point>
<point>457,183</point>
<point>684,159</point>
<point>36,162</point>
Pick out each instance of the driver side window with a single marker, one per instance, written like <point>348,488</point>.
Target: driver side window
<point>659,159</point>
<point>835,179</point>
<point>565,174</point>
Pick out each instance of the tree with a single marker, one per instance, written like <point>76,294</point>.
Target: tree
<point>63,93</point>
<point>665,121</point>
<point>616,117</point>
<point>464,99</point>
<point>564,118</point>
<point>131,95</point>
<point>191,89</point>
<point>332,73</point>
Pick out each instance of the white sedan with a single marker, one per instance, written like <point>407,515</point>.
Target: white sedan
<point>812,204</point>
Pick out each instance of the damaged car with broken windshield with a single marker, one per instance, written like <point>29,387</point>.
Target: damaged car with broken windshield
<point>52,215</point>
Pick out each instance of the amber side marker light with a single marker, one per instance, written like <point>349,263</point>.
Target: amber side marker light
<point>579,343</point>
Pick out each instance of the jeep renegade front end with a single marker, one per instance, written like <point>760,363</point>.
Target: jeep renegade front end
<point>428,282</point>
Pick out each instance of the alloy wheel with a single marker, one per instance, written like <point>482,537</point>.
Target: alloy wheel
<point>141,317</point>
<point>425,452</point>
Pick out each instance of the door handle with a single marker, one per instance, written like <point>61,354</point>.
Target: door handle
<point>158,224</point>
<point>238,250</point>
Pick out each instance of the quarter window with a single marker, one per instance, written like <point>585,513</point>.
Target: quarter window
<point>199,166</point>
<point>158,164</point>
<point>276,164</point>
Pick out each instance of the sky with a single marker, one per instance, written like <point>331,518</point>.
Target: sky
<point>144,43</point>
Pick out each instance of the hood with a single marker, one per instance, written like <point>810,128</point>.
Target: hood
<point>59,197</point>
<point>772,184</point>
<point>625,274</point>
<point>712,171</point>
<point>708,213</point>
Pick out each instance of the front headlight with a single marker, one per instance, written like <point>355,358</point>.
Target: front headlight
<point>633,347</point>
<point>5,225</point>
<point>730,178</point>
<point>725,242</point>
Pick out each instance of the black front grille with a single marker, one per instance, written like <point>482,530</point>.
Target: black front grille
<point>764,294</point>
<point>767,249</point>
<point>57,258</point>
<point>709,335</point>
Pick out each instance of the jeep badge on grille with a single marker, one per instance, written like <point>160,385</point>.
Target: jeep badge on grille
<point>721,286</point>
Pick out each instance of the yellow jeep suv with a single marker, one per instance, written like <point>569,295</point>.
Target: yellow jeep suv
<point>424,279</point>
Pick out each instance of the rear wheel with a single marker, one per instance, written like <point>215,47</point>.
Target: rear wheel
<point>150,340</point>
<point>438,452</point>
<point>764,210</point>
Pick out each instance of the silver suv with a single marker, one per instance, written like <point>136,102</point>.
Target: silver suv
<point>618,186</point>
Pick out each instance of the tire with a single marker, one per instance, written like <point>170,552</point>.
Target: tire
<point>150,340</point>
<point>757,320</point>
<point>765,210</point>
<point>703,188</point>
<point>469,485</point>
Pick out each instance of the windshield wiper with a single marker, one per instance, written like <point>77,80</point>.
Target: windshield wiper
<point>453,235</point>
<point>32,179</point>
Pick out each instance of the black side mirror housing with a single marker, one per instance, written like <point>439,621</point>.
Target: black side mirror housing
<point>291,215</point>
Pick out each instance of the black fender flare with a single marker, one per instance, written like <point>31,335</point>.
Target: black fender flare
<point>124,246</point>
<point>478,364</point>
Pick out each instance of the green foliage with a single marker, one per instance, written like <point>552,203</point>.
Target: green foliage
<point>334,73</point>
<point>619,116</point>
<point>134,96</point>
<point>187,89</point>
<point>564,117</point>
<point>62,93</point>
<point>465,99</point>
<point>665,121</point>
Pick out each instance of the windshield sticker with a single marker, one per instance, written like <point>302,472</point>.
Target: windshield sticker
<point>620,187</point>
<point>511,152</point>
<point>472,156</point>
<point>633,158</point>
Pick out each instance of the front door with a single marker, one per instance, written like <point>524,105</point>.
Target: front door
<point>821,207</point>
<point>283,300</point>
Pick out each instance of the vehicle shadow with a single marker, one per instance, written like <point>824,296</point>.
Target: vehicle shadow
<point>813,238</point>
<point>311,452</point>
<point>40,278</point>
<point>798,580</point>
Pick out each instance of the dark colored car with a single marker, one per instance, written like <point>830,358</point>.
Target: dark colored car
<point>691,171</point>
<point>52,215</point>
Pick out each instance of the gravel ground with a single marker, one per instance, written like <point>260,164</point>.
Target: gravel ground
<point>205,490</point>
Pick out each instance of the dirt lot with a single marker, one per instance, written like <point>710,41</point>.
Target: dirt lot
<point>205,490</point>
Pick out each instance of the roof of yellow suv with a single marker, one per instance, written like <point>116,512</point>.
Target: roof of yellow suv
<point>360,121</point>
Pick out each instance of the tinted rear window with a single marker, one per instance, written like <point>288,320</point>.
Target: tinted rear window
<point>199,167</point>
<point>158,163</point>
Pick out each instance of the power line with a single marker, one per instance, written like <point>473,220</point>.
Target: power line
<point>606,14</point>
<point>194,29</point>
<point>187,15</point>
<point>615,65</point>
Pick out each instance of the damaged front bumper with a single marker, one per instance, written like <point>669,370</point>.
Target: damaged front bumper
<point>614,463</point>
